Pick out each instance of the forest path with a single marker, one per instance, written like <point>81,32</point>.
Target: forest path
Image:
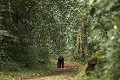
<point>66,73</point>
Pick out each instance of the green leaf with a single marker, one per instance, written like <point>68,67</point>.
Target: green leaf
<point>91,2</point>
<point>4,32</point>
<point>108,5</point>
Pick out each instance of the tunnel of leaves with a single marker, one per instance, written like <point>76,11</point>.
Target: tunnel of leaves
<point>32,32</point>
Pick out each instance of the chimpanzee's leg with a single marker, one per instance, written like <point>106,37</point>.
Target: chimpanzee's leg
<point>62,64</point>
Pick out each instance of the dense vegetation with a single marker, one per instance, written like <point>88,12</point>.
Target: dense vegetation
<point>32,32</point>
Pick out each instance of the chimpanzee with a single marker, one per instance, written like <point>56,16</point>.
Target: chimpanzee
<point>91,65</point>
<point>60,63</point>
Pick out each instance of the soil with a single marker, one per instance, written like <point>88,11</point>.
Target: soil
<point>69,67</point>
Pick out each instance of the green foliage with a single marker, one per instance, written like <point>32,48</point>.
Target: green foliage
<point>113,55</point>
<point>108,43</point>
<point>11,66</point>
<point>32,31</point>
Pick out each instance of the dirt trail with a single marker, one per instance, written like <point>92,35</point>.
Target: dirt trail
<point>68,68</point>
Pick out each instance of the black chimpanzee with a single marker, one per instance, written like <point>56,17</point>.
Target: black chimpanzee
<point>60,63</point>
